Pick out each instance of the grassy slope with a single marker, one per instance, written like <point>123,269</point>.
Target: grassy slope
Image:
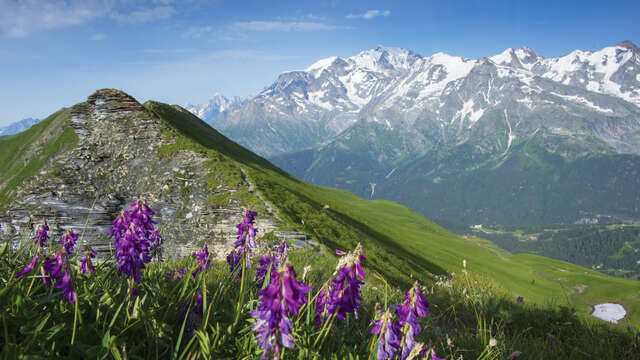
<point>406,244</point>
<point>25,153</point>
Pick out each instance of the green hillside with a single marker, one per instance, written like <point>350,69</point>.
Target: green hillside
<point>25,153</point>
<point>610,249</point>
<point>400,243</point>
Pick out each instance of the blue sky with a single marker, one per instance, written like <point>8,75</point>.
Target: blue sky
<point>56,53</point>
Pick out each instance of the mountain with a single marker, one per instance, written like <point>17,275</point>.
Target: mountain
<point>83,165</point>
<point>18,126</point>
<point>505,139</point>
<point>216,105</point>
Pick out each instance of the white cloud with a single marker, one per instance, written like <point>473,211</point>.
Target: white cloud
<point>20,18</point>
<point>369,14</point>
<point>23,17</point>
<point>248,54</point>
<point>196,32</point>
<point>97,37</point>
<point>146,15</point>
<point>238,30</point>
<point>279,26</point>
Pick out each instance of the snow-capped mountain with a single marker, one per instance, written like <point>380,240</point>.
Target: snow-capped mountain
<point>401,89</point>
<point>210,111</point>
<point>389,123</point>
<point>18,126</point>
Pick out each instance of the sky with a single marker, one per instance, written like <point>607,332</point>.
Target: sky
<point>55,53</point>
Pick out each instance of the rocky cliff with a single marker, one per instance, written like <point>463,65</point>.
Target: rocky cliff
<point>121,155</point>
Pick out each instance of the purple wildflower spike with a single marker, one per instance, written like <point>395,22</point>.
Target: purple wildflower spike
<point>415,305</point>
<point>282,296</point>
<point>343,295</point>
<point>42,235</point>
<point>244,243</point>
<point>203,260</point>
<point>67,287</point>
<point>134,239</point>
<point>69,241</point>
<point>389,340</point>
<point>233,259</point>
<point>283,251</point>
<point>520,299</point>
<point>247,234</point>
<point>264,263</point>
<point>86,265</point>
<point>29,267</point>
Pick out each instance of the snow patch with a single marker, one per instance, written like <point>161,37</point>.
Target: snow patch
<point>390,172</point>
<point>318,66</point>
<point>511,136</point>
<point>609,312</point>
<point>504,57</point>
<point>316,97</point>
<point>585,102</point>
<point>467,109</point>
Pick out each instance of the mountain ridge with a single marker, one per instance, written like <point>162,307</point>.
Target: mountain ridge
<point>359,121</point>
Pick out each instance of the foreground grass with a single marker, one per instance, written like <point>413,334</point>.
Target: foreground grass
<point>470,317</point>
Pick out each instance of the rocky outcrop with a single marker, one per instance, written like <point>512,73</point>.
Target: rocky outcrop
<point>115,162</point>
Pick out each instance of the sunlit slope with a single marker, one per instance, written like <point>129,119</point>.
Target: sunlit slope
<point>23,155</point>
<point>401,244</point>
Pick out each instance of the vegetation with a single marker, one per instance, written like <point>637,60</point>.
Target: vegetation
<point>25,153</point>
<point>469,315</point>
<point>611,249</point>
<point>469,308</point>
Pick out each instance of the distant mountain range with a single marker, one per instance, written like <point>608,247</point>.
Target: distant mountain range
<point>512,138</point>
<point>216,105</point>
<point>18,126</point>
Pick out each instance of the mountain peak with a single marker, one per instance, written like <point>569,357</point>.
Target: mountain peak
<point>629,45</point>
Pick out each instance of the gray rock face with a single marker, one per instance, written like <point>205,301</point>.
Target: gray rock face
<point>116,162</point>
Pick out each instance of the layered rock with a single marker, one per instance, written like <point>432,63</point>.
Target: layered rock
<point>116,161</point>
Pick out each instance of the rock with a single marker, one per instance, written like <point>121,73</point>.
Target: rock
<point>115,163</point>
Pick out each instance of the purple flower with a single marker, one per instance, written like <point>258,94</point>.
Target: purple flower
<point>520,300</point>
<point>244,243</point>
<point>134,238</point>
<point>29,267</point>
<point>203,260</point>
<point>233,259</point>
<point>389,340</point>
<point>283,295</point>
<point>67,287</point>
<point>434,356</point>
<point>265,262</point>
<point>42,235</point>
<point>86,265</point>
<point>51,270</point>
<point>69,241</point>
<point>415,305</point>
<point>283,251</point>
<point>343,295</point>
<point>176,275</point>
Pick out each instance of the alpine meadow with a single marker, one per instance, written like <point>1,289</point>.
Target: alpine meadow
<point>369,203</point>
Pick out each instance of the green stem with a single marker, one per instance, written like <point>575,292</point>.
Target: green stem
<point>204,300</point>
<point>75,321</point>
<point>241,295</point>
